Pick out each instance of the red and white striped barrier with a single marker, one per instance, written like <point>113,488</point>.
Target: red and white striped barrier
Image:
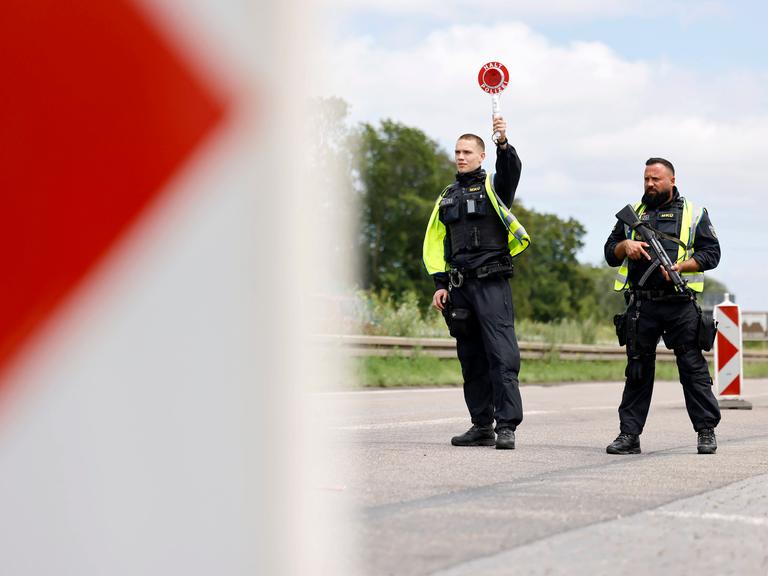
<point>729,366</point>
<point>143,349</point>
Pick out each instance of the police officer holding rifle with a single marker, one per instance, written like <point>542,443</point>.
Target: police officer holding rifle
<point>663,245</point>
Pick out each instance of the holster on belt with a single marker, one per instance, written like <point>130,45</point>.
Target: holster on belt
<point>634,353</point>
<point>458,320</point>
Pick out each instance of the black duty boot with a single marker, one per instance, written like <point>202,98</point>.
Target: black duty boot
<point>625,444</point>
<point>505,439</point>
<point>476,436</point>
<point>707,443</point>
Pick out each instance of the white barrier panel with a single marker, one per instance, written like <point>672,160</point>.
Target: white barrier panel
<point>729,367</point>
<point>154,370</point>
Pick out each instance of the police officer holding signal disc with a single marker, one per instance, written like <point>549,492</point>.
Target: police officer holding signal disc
<point>468,248</point>
<point>659,308</point>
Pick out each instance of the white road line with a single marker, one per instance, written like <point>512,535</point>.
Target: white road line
<point>433,421</point>
<point>445,389</point>
<point>436,421</point>
<point>612,407</point>
<point>752,520</point>
<point>404,424</point>
<point>404,390</point>
<point>458,389</point>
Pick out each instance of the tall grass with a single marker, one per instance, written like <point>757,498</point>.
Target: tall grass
<point>381,315</point>
<point>385,317</point>
<point>400,371</point>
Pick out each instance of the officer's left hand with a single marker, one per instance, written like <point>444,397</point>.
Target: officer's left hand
<point>690,265</point>
<point>500,126</point>
<point>440,298</point>
<point>675,268</point>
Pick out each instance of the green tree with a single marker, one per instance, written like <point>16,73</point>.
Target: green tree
<point>604,301</point>
<point>550,284</point>
<point>401,172</point>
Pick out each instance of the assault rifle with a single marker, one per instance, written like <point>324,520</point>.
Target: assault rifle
<point>628,216</point>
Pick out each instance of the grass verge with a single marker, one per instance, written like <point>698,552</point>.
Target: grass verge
<point>403,371</point>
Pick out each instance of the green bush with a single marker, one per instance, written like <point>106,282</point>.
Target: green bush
<point>402,371</point>
<point>380,314</point>
<point>383,316</point>
<point>589,331</point>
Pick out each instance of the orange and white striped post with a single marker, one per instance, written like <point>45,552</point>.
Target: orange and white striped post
<point>729,366</point>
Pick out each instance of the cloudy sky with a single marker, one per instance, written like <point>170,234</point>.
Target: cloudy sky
<point>596,88</point>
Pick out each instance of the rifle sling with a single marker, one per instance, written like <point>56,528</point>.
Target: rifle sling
<point>660,234</point>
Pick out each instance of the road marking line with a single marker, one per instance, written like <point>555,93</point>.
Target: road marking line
<point>752,520</point>
<point>458,389</point>
<point>612,407</point>
<point>403,390</point>
<point>407,423</point>
<point>434,421</point>
<point>390,425</point>
<point>526,413</point>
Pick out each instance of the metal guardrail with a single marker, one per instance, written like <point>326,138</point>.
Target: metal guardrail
<point>359,345</point>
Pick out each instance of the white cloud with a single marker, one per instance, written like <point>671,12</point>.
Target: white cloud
<point>583,118</point>
<point>502,10</point>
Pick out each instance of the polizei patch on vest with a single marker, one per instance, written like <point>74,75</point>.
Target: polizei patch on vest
<point>667,216</point>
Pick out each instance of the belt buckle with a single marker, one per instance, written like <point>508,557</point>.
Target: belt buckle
<point>456,278</point>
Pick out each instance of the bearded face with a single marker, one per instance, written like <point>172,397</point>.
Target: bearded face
<point>659,182</point>
<point>655,199</point>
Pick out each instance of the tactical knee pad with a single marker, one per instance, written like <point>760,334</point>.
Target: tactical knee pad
<point>683,349</point>
<point>692,364</point>
<point>636,366</point>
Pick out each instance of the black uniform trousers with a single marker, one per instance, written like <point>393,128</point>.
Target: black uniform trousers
<point>676,319</point>
<point>489,354</point>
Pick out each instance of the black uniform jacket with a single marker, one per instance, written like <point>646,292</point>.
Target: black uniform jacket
<point>505,181</point>
<point>705,245</point>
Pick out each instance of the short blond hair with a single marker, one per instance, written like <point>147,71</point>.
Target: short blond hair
<point>473,137</point>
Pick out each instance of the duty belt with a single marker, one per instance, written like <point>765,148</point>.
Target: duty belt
<point>458,275</point>
<point>660,295</point>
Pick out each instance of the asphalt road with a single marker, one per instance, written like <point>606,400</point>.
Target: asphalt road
<point>558,504</point>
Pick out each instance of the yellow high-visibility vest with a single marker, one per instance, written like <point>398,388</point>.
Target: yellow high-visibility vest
<point>688,227</point>
<point>433,250</point>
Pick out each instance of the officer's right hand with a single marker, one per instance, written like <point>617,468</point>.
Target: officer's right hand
<point>440,298</point>
<point>500,126</point>
<point>635,250</point>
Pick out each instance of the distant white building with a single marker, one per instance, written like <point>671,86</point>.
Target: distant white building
<point>754,325</point>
